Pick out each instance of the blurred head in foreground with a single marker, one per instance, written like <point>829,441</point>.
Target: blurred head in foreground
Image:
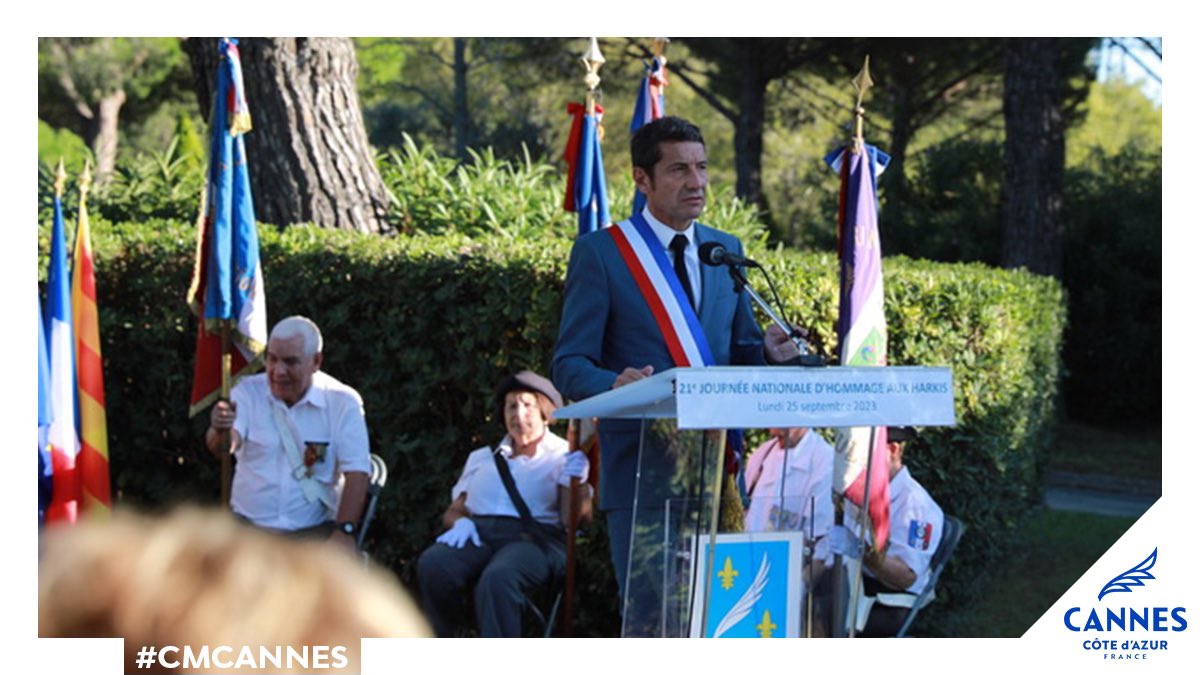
<point>200,577</point>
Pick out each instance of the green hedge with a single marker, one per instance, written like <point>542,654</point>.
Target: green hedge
<point>423,326</point>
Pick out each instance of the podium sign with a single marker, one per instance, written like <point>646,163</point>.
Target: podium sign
<point>729,397</point>
<point>756,588</point>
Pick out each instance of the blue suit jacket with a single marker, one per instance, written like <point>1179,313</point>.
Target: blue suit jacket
<point>606,327</point>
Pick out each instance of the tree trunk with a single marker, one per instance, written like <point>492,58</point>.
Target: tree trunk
<point>104,145</point>
<point>895,180</point>
<point>748,131</point>
<point>462,115</point>
<point>1034,150</point>
<point>309,156</point>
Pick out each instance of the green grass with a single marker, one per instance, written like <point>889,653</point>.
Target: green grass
<point>1057,547</point>
<point>1080,448</point>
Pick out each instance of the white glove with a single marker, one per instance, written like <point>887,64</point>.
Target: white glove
<point>458,534</point>
<point>576,466</point>
<point>843,542</point>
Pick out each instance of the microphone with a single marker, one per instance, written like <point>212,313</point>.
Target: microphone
<point>716,255</point>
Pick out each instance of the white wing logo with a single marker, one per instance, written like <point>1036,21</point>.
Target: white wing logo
<point>1126,581</point>
<point>746,602</point>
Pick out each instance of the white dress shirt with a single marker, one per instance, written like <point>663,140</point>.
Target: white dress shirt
<point>806,485</point>
<point>264,488</point>
<point>915,526</point>
<point>536,479</point>
<point>691,254</point>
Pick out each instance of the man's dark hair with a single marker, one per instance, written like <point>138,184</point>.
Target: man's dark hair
<point>643,147</point>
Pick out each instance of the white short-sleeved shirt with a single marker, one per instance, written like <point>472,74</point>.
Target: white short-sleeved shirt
<point>807,483</point>
<point>915,526</point>
<point>536,479</point>
<point>333,434</point>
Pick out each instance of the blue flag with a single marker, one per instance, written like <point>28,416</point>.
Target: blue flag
<point>591,195</point>
<point>234,259</point>
<point>45,416</point>
<point>227,287</point>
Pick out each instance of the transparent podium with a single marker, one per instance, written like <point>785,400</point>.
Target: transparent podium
<point>684,577</point>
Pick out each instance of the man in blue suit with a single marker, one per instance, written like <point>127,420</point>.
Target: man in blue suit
<point>611,333</point>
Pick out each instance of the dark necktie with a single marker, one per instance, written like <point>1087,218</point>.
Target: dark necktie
<point>678,244</point>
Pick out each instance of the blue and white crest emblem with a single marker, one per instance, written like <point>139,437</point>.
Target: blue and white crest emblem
<point>1126,581</point>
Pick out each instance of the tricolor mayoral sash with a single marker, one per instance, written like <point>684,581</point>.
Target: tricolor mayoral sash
<point>664,295</point>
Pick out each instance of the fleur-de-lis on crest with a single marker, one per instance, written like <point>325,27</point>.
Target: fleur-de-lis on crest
<point>746,603</point>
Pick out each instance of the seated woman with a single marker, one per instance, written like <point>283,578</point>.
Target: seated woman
<point>489,541</point>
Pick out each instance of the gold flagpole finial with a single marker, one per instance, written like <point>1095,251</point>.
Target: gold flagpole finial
<point>660,48</point>
<point>592,60</point>
<point>862,82</point>
<point>85,179</point>
<point>60,178</point>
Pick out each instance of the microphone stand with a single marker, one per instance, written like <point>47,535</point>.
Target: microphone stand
<point>806,358</point>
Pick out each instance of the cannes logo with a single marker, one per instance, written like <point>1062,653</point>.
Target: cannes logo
<point>1129,619</point>
<point>1126,581</point>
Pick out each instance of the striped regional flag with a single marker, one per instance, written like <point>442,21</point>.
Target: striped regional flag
<point>862,331</point>
<point>227,282</point>
<point>92,463</point>
<point>64,444</point>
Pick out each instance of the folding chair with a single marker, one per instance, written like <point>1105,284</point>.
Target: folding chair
<point>952,530</point>
<point>542,607</point>
<point>379,475</point>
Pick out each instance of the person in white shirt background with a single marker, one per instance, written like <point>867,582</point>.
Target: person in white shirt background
<point>486,543</point>
<point>789,481</point>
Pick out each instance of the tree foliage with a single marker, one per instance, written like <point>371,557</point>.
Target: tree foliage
<point>88,84</point>
<point>459,93</point>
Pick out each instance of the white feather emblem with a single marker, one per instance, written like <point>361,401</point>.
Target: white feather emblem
<point>747,601</point>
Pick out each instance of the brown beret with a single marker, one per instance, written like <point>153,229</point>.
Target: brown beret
<point>527,380</point>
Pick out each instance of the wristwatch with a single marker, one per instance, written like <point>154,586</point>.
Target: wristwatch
<point>347,527</point>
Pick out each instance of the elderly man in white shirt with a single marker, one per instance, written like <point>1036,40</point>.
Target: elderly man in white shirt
<point>299,437</point>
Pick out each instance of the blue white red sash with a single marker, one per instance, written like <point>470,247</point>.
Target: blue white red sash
<point>664,295</point>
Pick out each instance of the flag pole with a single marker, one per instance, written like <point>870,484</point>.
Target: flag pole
<point>60,178</point>
<point>568,627</point>
<point>868,535</point>
<point>592,61</point>
<point>85,181</point>
<point>660,49</point>
<point>225,437</point>
<point>810,551</point>
<point>862,82</point>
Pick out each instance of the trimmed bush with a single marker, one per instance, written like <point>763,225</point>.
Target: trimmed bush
<point>424,326</point>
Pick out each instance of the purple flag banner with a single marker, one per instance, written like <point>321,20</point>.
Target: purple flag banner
<point>862,330</point>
